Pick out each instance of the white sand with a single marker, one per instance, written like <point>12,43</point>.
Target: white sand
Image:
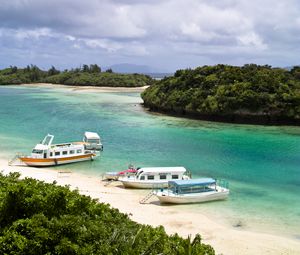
<point>87,88</point>
<point>224,239</point>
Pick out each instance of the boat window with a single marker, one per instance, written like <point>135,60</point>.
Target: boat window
<point>47,140</point>
<point>37,151</point>
<point>194,189</point>
<point>175,176</point>
<point>150,177</point>
<point>139,173</point>
<point>79,151</point>
<point>72,152</point>
<point>57,153</point>
<point>163,177</point>
<point>51,154</point>
<point>93,141</point>
<point>64,152</point>
<point>142,177</point>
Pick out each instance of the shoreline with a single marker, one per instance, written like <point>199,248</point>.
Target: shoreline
<point>261,120</point>
<point>84,88</point>
<point>224,239</point>
<point>246,119</point>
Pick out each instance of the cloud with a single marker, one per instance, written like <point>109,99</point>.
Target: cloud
<point>167,33</point>
<point>252,40</point>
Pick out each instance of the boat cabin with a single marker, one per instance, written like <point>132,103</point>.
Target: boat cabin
<point>192,186</point>
<point>92,141</point>
<point>161,173</point>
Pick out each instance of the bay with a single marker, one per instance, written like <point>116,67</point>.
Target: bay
<point>262,164</point>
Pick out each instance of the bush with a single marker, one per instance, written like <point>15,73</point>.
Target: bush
<point>40,218</point>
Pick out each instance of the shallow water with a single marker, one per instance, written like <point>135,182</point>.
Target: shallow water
<point>260,163</point>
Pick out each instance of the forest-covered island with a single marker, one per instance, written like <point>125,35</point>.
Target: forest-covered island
<point>40,218</point>
<point>87,75</point>
<point>248,94</point>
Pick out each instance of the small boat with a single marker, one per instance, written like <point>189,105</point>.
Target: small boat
<point>114,176</point>
<point>192,191</point>
<point>154,177</point>
<point>48,154</point>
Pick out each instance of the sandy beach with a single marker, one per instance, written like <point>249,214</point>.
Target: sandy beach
<point>87,88</point>
<point>224,239</point>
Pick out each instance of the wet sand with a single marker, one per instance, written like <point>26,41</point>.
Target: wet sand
<point>87,88</point>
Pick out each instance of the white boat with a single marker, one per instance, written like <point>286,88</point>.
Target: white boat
<point>48,154</point>
<point>154,177</point>
<point>114,176</point>
<point>192,191</point>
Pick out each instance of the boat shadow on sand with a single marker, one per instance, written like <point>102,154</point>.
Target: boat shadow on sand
<point>157,203</point>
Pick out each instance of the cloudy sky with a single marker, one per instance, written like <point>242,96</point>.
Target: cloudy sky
<point>164,34</point>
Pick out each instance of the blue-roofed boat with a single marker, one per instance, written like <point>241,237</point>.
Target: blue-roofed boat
<point>193,191</point>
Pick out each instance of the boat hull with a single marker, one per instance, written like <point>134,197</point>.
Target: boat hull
<point>143,184</point>
<point>40,162</point>
<point>171,198</point>
<point>111,176</point>
<point>115,176</point>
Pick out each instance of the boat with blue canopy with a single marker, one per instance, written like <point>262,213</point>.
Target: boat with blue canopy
<point>193,191</point>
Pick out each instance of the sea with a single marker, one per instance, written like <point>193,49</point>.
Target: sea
<point>261,163</point>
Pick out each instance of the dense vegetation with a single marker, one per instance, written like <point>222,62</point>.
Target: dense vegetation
<point>87,75</point>
<point>40,218</point>
<point>247,94</point>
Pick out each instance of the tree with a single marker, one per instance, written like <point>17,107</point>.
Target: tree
<point>85,68</point>
<point>14,69</point>
<point>53,71</point>
<point>95,68</point>
<point>295,71</point>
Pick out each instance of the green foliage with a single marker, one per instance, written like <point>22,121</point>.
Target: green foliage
<point>109,70</point>
<point>53,71</point>
<point>249,93</point>
<point>99,79</point>
<point>13,75</point>
<point>40,218</point>
<point>86,76</point>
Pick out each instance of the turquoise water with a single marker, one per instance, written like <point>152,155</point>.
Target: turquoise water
<point>260,163</point>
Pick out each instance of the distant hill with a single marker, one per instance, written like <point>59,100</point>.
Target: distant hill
<point>159,76</point>
<point>140,69</point>
<point>133,68</point>
<point>289,68</point>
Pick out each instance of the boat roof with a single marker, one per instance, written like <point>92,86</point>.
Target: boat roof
<point>91,135</point>
<point>175,169</point>
<point>193,182</point>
